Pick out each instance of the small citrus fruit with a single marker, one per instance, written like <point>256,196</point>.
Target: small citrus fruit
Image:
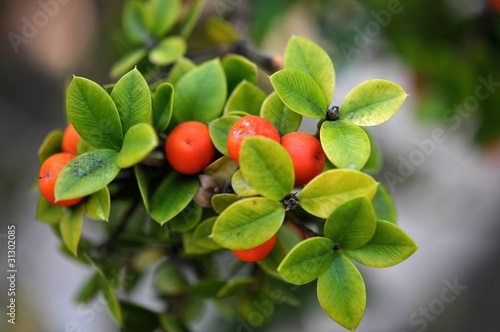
<point>258,253</point>
<point>70,140</point>
<point>47,177</point>
<point>189,148</point>
<point>247,126</point>
<point>307,155</point>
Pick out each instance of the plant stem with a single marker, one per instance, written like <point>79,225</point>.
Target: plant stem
<point>297,222</point>
<point>108,246</point>
<point>269,63</point>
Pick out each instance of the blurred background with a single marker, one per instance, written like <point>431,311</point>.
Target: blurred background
<point>441,151</point>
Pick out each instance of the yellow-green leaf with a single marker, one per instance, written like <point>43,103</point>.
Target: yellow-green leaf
<point>372,102</point>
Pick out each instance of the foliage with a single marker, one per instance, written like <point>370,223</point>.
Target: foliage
<point>451,54</point>
<point>184,226</point>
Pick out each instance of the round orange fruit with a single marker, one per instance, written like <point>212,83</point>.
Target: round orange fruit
<point>247,126</point>
<point>70,140</point>
<point>307,155</point>
<point>189,148</point>
<point>258,253</point>
<point>49,171</point>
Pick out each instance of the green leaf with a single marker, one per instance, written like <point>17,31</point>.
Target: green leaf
<point>167,51</point>
<point>191,247</point>
<point>220,31</point>
<point>286,240</point>
<point>222,170</point>
<point>351,224</point>
<point>89,289</point>
<point>172,195</point>
<point>246,97</point>
<point>187,219</point>
<point>48,213</point>
<point>172,323</point>
<point>219,129</point>
<point>181,67</point>
<point>389,246</point>
<point>275,111</point>
<point>384,206</point>
<point>71,227</point>
<point>345,145</point>
<point>98,205</point>
<point>83,147</point>
<point>138,318</point>
<point>306,55</point>
<point>330,189</point>
<point>255,308</point>
<point>307,261</point>
<point>93,114</point>
<point>133,99</point>
<point>267,167</point>
<point>300,92</point>
<point>169,280</point>
<point>86,174</point>
<point>342,293</point>
<point>192,17</point>
<point>206,288</point>
<point>202,235</point>
<point>200,94</point>
<point>236,284</point>
<point>109,295</point>
<point>110,86</point>
<point>238,69</point>
<point>145,257</point>
<point>374,162</point>
<point>107,287</point>
<point>127,62</point>
<point>281,292</point>
<point>248,223</point>
<point>372,102</point>
<point>221,202</point>
<point>133,22</point>
<point>139,141</point>
<point>161,15</point>
<point>241,186</point>
<point>143,184</point>
<point>50,145</point>
<point>163,104</point>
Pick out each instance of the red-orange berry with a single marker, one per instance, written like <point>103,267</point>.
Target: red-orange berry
<point>247,126</point>
<point>47,177</point>
<point>70,140</point>
<point>258,253</point>
<point>189,148</point>
<point>495,5</point>
<point>307,155</point>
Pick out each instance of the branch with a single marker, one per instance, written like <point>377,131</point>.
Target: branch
<point>300,225</point>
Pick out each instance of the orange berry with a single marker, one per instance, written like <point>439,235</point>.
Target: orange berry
<point>495,5</point>
<point>70,140</point>
<point>47,177</point>
<point>307,155</point>
<point>258,253</point>
<point>296,229</point>
<point>189,148</point>
<point>247,126</point>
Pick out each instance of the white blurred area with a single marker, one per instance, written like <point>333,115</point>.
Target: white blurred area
<point>449,205</point>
